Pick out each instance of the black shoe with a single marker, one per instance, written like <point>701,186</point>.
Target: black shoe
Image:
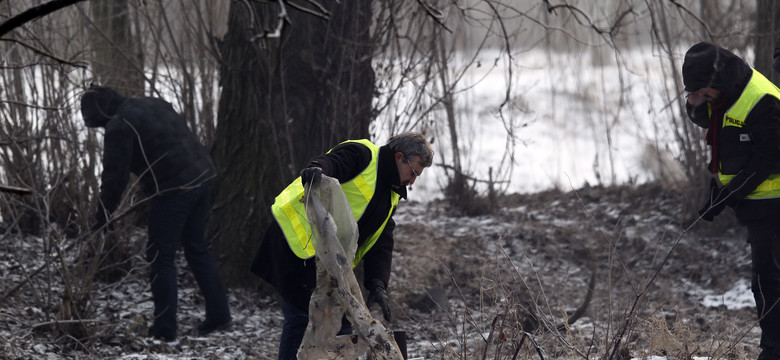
<point>168,339</point>
<point>766,355</point>
<point>207,327</point>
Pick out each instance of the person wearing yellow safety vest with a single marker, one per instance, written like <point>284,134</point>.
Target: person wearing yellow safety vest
<point>740,109</point>
<point>373,178</point>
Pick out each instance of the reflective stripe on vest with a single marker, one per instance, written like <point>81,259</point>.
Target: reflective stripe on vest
<point>758,87</point>
<point>290,212</point>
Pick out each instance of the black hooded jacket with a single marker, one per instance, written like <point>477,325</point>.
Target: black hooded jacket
<point>294,278</point>
<point>146,137</point>
<point>707,65</point>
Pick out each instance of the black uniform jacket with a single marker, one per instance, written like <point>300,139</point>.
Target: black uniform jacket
<point>752,161</point>
<point>148,138</point>
<point>294,278</point>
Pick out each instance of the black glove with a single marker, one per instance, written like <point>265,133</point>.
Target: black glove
<point>717,201</point>
<point>378,294</point>
<point>311,174</point>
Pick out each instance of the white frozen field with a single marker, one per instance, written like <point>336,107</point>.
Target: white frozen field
<point>575,123</point>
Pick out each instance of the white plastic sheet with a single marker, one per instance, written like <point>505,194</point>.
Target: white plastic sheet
<point>334,236</point>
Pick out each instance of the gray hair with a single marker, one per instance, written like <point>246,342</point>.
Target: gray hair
<point>413,144</point>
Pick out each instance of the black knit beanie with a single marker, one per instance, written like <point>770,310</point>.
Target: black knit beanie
<point>99,104</point>
<point>701,67</point>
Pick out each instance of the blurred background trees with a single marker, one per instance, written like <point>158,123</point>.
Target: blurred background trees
<point>267,85</point>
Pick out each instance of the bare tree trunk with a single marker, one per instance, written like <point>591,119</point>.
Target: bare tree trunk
<point>458,191</point>
<point>283,101</point>
<point>117,60</point>
<point>767,21</point>
<point>116,63</point>
<point>245,165</point>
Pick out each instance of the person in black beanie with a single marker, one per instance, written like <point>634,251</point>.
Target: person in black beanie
<point>147,137</point>
<point>740,108</point>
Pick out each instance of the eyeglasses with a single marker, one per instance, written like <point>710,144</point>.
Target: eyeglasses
<point>414,173</point>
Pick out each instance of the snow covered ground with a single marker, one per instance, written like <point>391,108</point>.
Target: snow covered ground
<point>536,253</point>
<point>575,126</point>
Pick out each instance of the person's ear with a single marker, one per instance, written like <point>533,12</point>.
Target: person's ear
<point>398,155</point>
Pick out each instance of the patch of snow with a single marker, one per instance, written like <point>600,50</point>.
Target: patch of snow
<point>738,297</point>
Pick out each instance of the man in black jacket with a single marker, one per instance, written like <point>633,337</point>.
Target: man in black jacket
<point>741,110</point>
<point>373,179</point>
<point>146,137</point>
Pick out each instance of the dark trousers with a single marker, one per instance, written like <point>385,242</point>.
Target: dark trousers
<point>295,322</point>
<point>764,239</point>
<point>180,217</point>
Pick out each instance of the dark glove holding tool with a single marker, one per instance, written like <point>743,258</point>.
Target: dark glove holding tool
<point>378,294</point>
<point>311,175</point>
<point>718,199</point>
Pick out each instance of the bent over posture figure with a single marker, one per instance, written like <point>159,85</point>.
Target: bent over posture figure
<point>146,137</point>
<point>373,178</point>
<point>741,110</point>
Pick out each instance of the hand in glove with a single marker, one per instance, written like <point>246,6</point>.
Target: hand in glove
<point>378,294</point>
<point>718,199</point>
<point>311,174</point>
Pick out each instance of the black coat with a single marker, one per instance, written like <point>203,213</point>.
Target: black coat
<point>147,137</point>
<point>294,278</point>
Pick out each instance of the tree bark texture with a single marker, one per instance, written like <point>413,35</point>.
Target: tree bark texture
<point>767,32</point>
<point>284,100</point>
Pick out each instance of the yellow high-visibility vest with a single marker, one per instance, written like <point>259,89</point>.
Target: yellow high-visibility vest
<point>758,87</point>
<point>290,212</point>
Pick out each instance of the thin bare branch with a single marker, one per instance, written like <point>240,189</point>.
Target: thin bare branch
<point>82,65</point>
<point>34,13</point>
